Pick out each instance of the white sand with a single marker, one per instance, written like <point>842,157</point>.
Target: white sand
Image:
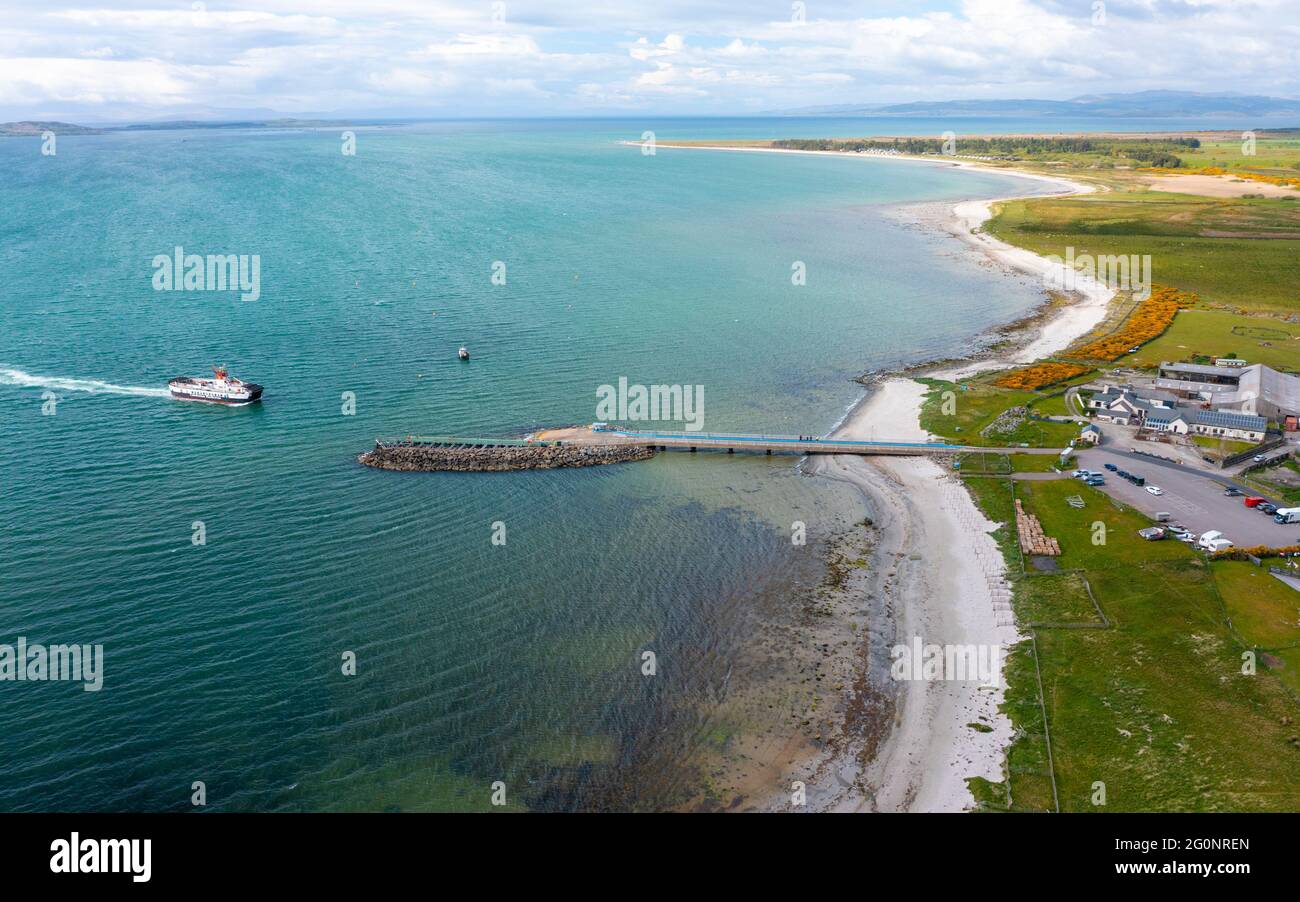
<point>948,588</point>
<point>948,583</point>
<point>1216,186</point>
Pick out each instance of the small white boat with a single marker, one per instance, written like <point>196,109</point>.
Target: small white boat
<point>463,353</point>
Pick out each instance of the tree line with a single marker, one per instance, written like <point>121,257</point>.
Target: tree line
<point>1153,153</point>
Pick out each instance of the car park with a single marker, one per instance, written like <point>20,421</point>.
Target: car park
<point>1193,497</point>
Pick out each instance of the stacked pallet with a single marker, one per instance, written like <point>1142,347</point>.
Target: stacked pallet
<point>1032,539</point>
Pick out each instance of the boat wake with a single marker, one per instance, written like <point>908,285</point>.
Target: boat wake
<point>91,386</point>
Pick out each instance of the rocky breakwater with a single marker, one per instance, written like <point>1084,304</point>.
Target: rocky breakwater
<point>498,458</point>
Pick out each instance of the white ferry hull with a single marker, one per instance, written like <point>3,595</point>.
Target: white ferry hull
<point>204,392</point>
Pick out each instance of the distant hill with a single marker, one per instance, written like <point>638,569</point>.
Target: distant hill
<point>36,129</point>
<point>19,129</point>
<point>240,123</point>
<point>1143,104</point>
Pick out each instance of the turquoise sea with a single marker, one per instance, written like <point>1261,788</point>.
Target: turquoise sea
<point>476,662</point>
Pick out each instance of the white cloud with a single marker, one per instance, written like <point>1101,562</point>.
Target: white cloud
<point>104,57</point>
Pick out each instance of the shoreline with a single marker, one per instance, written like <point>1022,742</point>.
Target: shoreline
<point>931,749</point>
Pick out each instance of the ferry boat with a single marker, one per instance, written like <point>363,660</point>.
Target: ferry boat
<point>223,388</point>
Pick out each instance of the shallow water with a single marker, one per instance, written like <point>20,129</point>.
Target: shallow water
<point>475,662</point>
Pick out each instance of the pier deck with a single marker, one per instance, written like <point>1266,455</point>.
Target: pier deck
<point>714,441</point>
<point>791,444</point>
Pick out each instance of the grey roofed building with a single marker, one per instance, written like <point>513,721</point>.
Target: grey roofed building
<point>1227,420</point>
<point>1165,420</point>
<point>1218,423</point>
<point>1258,390</point>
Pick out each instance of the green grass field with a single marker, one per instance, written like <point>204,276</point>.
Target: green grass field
<point>1075,528</point>
<point>1273,156</point>
<point>1037,463</point>
<point>1051,406</point>
<point>1206,245</point>
<point>976,408</point>
<point>1155,707</point>
<point>1264,610</point>
<point>1217,333</point>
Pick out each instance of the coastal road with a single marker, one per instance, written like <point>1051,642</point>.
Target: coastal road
<point>1194,497</point>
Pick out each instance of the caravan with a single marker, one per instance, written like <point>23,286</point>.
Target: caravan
<point>1213,541</point>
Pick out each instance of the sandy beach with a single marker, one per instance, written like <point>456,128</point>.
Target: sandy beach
<point>936,563</point>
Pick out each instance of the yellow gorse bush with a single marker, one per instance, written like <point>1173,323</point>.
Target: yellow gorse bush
<point>1151,318</point>
<point>1039,375</point>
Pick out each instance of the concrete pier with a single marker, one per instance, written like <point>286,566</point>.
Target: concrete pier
<point>583,446</point>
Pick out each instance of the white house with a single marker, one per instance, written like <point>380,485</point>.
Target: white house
<point>1223,424</point>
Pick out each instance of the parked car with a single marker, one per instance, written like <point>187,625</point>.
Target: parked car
<point>1111,467</point>
<point>1164,517</point>
<point>1123,474</point>
<point>1231,491</point>
<point>1252,501</point>
<point>1260,458</point>
<point>1137,480</point>
<point>1079,474</point>
<point>1208,459</point>
<point>1155,490</point>
<point>1266,508</point>
<point>1095,480</point>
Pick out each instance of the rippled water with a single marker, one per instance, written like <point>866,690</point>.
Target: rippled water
<point>476,662</point>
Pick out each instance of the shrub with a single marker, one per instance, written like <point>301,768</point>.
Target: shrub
<point>1151,318</point>
<point>1039,375</point>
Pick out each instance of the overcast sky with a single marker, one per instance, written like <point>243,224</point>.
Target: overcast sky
<point>141,59</point>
